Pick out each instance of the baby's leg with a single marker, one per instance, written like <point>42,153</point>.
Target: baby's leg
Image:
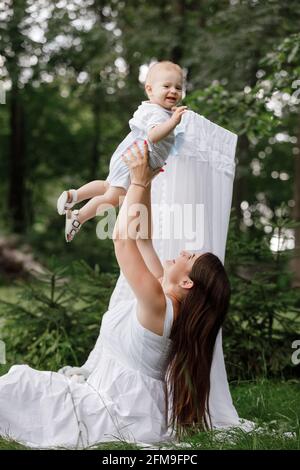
<point>97,205</point>
<point>92,189</point>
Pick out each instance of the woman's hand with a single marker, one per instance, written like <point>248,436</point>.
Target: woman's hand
<point>137,162</point>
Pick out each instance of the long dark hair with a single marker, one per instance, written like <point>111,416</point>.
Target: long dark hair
<point>193,337</point>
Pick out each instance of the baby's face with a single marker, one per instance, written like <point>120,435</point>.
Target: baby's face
<point>166,89</point>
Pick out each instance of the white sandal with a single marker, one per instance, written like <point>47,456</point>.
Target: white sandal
<point>62,204</point>
<point>72,225</point>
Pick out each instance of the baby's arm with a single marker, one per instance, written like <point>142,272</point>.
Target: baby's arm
<point>160,131</point>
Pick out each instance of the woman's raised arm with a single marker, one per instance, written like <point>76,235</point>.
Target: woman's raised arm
<point>133,222</point>
<point>144,243</point>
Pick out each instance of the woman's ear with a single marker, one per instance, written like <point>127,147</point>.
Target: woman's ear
<point>186,283</point>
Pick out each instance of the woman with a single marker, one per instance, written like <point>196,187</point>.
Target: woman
<point>167,332</point>
<point>199,290</point>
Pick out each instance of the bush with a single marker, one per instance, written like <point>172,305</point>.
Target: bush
<point>264,312</point>
<point>58,315</point>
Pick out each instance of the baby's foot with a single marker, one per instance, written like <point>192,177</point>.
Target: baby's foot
<point>73,224</point>
<point>66,201</point>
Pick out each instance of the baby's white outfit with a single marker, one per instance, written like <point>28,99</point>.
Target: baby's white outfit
<point>145,117</point>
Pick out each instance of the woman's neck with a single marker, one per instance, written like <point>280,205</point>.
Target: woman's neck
<point>176,299</point>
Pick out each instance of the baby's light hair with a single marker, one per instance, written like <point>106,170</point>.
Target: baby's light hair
<point>164,65</point>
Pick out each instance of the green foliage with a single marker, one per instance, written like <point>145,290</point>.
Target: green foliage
<point>239,112</point>
<point>245,111</point>
<point>57,317</point>
<point>47,237</point>
<point>264,316</point>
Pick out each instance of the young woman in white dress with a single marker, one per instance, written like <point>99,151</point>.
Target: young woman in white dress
<point>152,377</point>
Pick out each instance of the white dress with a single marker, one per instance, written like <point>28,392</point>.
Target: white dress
<point>145,117</point>
<point>123,397</point>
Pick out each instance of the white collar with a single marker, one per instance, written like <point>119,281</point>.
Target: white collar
<point>156,105</point>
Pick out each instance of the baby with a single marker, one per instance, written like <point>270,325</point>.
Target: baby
<point>154,121</point>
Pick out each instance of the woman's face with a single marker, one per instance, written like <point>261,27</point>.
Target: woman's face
<point>178,268</point>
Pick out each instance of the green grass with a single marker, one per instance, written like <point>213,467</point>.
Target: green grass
<point>273,405</point>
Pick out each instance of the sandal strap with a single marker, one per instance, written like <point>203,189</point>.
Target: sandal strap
<point>76,223</point>
<point>74,195</point>
<point>70,204</point>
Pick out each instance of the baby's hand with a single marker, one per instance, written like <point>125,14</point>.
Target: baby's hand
<point>177,114</point>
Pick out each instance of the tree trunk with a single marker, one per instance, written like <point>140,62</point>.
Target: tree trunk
<point>241,181</point>
<point>295,262</point>
<point>94,170</point>
<point>16,191</point>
